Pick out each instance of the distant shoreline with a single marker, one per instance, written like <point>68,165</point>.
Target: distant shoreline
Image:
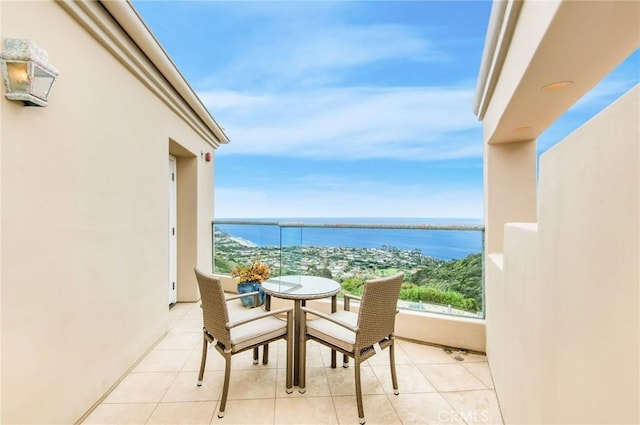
<point>443,241</point>
<point>243,242</point>
<point>360,220</point>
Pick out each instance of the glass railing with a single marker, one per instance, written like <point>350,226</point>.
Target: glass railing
<point>442,263</point>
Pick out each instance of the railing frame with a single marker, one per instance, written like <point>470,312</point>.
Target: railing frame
<point>281,225</point>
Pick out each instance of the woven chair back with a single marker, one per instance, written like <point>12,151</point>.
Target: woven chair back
<point>377,315</point>
<point>214,308</point>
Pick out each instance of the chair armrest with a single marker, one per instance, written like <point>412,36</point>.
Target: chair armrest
<point>349,297</point>
<point>355,297</point>
<point>261,316</point>
<point>235,297</point>
<point>330,319</point>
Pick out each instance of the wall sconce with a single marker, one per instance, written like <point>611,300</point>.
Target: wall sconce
<point>27,74</point>
<point>207,156</point>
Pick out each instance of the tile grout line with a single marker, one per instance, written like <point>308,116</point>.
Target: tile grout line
<point>478,378</point>
<point>168,386</point>
<point>177,374</point>
<point>118,382</point>
<point>409,362</point>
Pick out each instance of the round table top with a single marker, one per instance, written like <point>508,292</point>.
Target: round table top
<point>301,287</point>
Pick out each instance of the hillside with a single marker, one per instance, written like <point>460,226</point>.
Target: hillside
<point>455,283</point>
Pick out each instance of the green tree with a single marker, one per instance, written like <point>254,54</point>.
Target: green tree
<point>222,265</point>
<point>353,285</point>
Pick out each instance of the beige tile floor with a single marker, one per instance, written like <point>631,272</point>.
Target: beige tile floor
<point>434,387</point>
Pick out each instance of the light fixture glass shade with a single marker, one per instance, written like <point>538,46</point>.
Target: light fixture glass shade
<point>27,74</point>
<point>558,85</point>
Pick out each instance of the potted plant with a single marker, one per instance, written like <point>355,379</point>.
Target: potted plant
<point>250,277</point>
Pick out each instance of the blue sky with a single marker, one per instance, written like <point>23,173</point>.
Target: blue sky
<point>345,108</point>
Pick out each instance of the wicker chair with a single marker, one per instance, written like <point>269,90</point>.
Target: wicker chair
<point>234,333</point>
<point>360,335</point>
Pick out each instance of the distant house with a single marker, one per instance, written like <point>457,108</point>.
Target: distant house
<point>107,201</point>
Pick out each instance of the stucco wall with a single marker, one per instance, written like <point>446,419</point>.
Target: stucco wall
<point>494,316</point>
<point>590,251</point>
<point>84,219</point>
<point>563,344</point>
<point>510,189</point>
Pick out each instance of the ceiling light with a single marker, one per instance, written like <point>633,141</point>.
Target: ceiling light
<point>558,85</point>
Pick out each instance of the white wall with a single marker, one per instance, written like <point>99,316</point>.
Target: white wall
<point>84,222</point>
<point>590,253</point>
<point>563,331</point>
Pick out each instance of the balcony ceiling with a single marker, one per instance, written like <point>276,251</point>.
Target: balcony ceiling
<point>575,41</point>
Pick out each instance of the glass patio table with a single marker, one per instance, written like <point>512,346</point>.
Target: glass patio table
<point>300,289</point>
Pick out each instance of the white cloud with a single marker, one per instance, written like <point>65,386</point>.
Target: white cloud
<point>304,51</point>
<point>322,80</point>
<point>292,88</point>
<point>349,199</point>
<point>426,123</point>
<point>341,47</point>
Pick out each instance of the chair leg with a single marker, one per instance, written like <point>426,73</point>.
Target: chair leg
<point>225,387</point>
<point>203,360</point>
<point>265,349</point>
<point>361,418</point>
<point>256,354</point>
<point>392,361</point>
<point>302,359</point>
<point>290,353</point>
<point>334,308</point>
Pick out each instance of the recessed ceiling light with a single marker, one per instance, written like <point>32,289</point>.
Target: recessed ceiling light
<point>558,85</point>
<point>521,129</point>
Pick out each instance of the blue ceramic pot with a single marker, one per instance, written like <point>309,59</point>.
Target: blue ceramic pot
<point>245,287</point>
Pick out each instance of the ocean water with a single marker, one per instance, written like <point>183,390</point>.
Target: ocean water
<point>441,244</point>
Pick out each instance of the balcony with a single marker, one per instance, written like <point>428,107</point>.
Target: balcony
<point>161,388</point>
<point>84,262</point>
<point>438,383</point>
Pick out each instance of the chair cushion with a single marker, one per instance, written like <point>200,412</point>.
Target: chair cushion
<point>335,334</point>
<point>256,332</point>
<point>238,312</point>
